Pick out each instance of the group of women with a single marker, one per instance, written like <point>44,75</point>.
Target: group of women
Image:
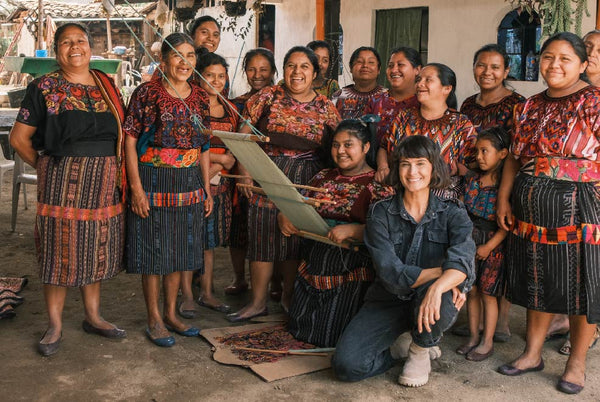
<point>144,188</point>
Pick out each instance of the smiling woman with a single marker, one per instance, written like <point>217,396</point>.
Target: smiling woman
<point>418,282</point>
<point>351,101</point>
<point>168,171</point>
<point>68,127</point>
<point>549,192</point>
<point>296,119</point>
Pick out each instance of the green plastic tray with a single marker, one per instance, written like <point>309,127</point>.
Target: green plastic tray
<point>37,66</point>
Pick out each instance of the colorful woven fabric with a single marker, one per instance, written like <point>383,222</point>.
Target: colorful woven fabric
<point>282,114</point>
<point>559,168</point>
<point>175,199</point>
<point>67,114</point>
<point>170,157</point>
<point>351,103</point>
<point>80,223</point>
<point>332,281</point>
<point>566,127</point>
<point>386,107</point>
<point>265,240</point>
<point>453,132</point>
<point>495,114</point>
<point>80,214</point>
<point>553,253</point>
<point>160,120</point>
<point>218,223</point>
<point>170,239</point>
<point>328,89</point>
<point>9,299</point>
<point>271,338</point>
<point>480,200</point>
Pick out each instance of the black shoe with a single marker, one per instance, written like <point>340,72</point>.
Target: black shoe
<point>235,317</point>
<point>48,349</point>
<point>113,333</point>
<point>568,387</point>
<point>510,370</point>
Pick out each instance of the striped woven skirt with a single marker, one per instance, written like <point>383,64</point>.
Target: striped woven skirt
<point>328,292</point>
<point>218,223</point>
<point>238,235</point>
<point>170,239</point>
<point>80,221</point>
<point>265,241</point>
<point>553,252</point>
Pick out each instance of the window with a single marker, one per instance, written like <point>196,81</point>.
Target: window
<point>266,28</point>
<point>519,34</point>
<point>401,27</point>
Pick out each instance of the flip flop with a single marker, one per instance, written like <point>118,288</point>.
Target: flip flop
<point>565,349</point>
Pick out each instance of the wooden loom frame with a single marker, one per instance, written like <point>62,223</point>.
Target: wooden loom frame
<point>276,185</point>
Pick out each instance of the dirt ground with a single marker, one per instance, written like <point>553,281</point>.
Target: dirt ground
<point>92,368</point>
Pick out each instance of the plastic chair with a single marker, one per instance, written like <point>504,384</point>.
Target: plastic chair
<point>19,176</point>
<point>5,166</point>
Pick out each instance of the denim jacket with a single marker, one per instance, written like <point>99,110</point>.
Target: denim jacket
<point>401,248</point>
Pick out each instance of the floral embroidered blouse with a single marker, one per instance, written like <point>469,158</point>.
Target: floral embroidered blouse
<point>480,201</point>
<point>352,195</point>
<point>351,103</point>
<point>283,114</point>
<point>388,108</point>
<point>160,120</point>
<point>66,114</point>
<point>496,114</point>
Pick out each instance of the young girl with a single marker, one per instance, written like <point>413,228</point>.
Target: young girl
<point>480,200</point>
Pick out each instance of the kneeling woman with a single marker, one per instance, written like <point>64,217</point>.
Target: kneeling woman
<point>332,281</point>
<point>423,255</point>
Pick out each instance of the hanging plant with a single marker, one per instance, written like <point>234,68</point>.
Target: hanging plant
<point>235,8</point>
<point>556,15</point>
<point>230,20</point>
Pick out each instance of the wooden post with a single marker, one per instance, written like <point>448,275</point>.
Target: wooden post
<point>320,20</point>
<point>597,14</point>
<point>40,36</point>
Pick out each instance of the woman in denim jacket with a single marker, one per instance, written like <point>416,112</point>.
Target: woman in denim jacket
<point>423,254</point>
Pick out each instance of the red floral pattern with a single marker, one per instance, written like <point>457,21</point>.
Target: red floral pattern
<point>388,108</point>
<point>352,194</point>
<point>308,120</point>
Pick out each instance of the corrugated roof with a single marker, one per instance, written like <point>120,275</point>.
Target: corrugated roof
<point>58,9</point>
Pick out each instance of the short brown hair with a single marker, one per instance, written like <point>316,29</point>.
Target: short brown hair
<point>418,146</point>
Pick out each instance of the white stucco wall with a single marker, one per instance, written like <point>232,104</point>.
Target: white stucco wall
<point>295,22</point>
<point>456,30</point>
<point>232,48</point>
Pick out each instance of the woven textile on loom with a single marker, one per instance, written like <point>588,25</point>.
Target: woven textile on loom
<point>9,287</point>
<point>275,184</point>
<point>271,338</point>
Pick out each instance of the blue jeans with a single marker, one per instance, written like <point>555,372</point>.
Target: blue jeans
<point>363,350</point>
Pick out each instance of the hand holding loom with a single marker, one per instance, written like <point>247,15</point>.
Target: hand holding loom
<point>275,184</point>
